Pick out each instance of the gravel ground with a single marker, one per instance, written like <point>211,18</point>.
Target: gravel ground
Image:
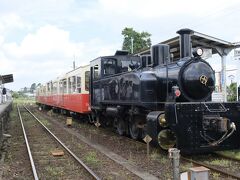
<point>16,164</point>
<point>133,151</point>
<point>136,152</point>
<point>42,145</point>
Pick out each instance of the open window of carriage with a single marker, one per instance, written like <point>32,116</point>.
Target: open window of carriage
<point>78,88</point>
<point>44,90</point>
<point>63,86</point>
<point>54,90</point>
<point>49,88</point>
<point>71,84</point>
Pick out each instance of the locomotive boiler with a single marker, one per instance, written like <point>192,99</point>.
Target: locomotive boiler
<point>170,101</point>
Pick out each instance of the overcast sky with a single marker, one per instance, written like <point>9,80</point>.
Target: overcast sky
<point>39,39</point>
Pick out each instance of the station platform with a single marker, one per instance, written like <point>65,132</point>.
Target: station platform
<point>5,107</point>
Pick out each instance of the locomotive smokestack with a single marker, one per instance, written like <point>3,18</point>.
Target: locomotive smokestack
<point>160,54</point>
<point>185,42</point>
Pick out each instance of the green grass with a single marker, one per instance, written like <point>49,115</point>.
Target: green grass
<point>54,171</point>
<point>22,100</point>
<point>45,122</point>
<point>91,158</point>
<point>220,162</point>
<point>216,176</point>
<point>232,154</point>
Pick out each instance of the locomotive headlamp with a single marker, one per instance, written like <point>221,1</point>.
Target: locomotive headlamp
<point>198,52</point>
<point>162,121</point>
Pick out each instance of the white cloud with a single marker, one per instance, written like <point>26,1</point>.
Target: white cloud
<point>39,39</point>
<point>46,40</point>
<point>11,21</point>
<point>156,8</point>
<point>47,53</point>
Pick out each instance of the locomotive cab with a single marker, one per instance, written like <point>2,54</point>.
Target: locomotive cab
<point>104,70</point>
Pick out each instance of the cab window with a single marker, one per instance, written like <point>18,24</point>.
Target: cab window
<point>96,71</point>
<point>109,66</point>
<point>87,74</point>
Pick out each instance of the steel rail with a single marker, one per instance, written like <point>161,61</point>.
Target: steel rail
<point>28,147</point>
<point>66,148</point>
<point>211,168</point>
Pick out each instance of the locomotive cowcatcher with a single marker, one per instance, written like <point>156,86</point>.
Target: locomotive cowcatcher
<point>168,100</point>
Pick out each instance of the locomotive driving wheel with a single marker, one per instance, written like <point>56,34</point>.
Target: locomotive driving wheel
<point>121,126</point>
<point>134,130</point>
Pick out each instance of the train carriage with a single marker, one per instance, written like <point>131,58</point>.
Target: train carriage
<point>68,92</point>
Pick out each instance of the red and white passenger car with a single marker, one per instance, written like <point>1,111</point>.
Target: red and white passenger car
<point>69,92</point>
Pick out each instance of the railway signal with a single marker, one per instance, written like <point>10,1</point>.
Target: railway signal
<point>147,139</point>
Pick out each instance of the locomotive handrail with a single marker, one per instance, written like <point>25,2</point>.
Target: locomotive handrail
<point>223,109</point>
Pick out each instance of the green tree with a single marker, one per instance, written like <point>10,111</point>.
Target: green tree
<point>25,90</point>
<point>15,95</point>
<point>33,87</point>
<point>18,94</point>
<point>140,40</point>
<point>232,92</point>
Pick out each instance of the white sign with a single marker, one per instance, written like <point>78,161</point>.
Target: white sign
<point>236,54</point>
<point>207,53</point>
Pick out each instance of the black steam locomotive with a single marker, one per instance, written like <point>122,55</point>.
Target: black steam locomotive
<point>170,101</point>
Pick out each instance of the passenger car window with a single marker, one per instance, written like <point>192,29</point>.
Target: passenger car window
<point>78,84</point>
<point>71,84</point>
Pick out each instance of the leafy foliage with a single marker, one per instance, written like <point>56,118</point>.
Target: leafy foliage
<point>33,87</point>
<point>18,94</point>
<point>232,92</point>
<point>140,40</point>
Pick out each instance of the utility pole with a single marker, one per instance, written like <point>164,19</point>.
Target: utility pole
<point>74,57</point>
<point>73,64</point>
<point>132,45</point>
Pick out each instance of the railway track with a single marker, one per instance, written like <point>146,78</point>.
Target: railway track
<point>199,163</point>
<point>110,165</point>
<point>40,141</point>
<point>227,156</point>
<point>212,168</point>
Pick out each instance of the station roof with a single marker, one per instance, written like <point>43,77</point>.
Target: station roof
<point>198,40</point>
<point>6,78</point>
